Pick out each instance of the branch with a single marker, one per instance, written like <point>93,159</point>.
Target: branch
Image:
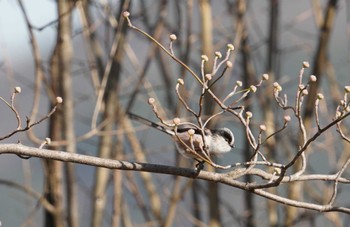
<point>227,178</point>
<point>28,124</point>
<point>35,195</point>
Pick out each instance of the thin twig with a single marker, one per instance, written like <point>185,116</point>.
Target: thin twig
<point>30,125</point>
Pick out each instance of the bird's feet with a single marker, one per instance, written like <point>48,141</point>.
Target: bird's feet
<point>199,165</point>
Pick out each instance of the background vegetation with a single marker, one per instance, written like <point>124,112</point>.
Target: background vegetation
<point>290,163</point>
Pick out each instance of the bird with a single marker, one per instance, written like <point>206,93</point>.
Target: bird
<point>189,139</point>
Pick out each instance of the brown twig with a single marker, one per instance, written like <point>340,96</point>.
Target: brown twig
<point>29,125</point>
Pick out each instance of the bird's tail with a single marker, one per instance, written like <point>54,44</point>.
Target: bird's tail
<point>150,123</point>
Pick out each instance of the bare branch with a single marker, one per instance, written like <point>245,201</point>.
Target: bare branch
<point>228,178</point>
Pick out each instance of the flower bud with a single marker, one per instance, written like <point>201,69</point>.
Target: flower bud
<point>48,140</point>
<point>249,114</point>
<point>239,83</point>
<point>177,121</point>
<point>126,14</point>
<point>277,86</point>
<point>18,90</point>
<point>230,47</point>
<point>59,99</point>
<point>320,96</point>
<point>252,88</point>
<point>313,78</point>
<point>287,118</point>
<point>218,54</point>
<point>347,89</point>
<point>191,132</point>
<point>151,101</point>
<point>180,81</point>
<point>229,64</point>
<point>208,76</point>
<point>265,76</point>
<point>172,37</point>
<point>277,170</point>
<point>204,58</point>
<point>262,127</point>
<point>306,64</point>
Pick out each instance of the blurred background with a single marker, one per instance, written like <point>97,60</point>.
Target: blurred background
<point>85,52</point>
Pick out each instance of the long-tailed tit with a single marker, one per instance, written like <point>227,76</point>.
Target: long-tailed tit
<point>217,141</point>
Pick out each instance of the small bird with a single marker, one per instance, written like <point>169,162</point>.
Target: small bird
<point>217,141</point>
